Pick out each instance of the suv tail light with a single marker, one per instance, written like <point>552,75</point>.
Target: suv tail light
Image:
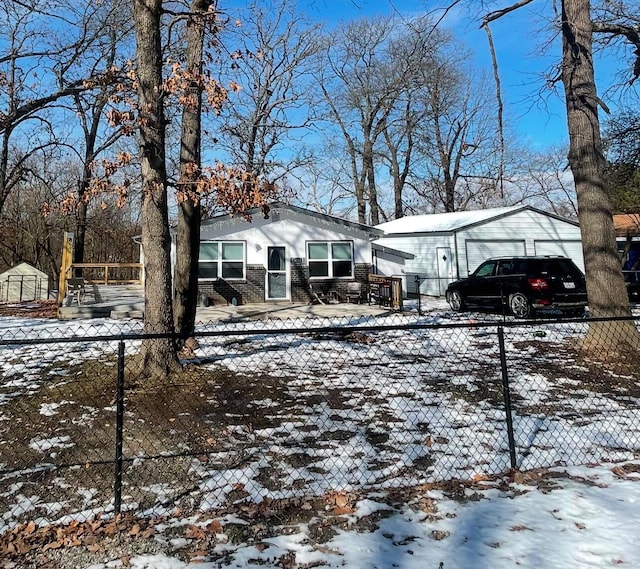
<point>538,284</point>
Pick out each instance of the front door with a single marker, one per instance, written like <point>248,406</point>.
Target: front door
<point>277,281</point>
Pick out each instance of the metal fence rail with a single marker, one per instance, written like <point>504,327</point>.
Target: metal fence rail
<point>299,408</point>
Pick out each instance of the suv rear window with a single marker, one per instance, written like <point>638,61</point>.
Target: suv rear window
<point>557,268</point>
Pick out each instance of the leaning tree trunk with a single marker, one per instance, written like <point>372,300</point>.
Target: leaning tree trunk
<point>159,356</point>
<point>189,210</point>
<point>605,283</point>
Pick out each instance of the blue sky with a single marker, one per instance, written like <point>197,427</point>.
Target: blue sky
<point>536,113</point>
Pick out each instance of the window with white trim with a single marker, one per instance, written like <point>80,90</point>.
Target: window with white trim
<point>222,259</point>
<point>330,259</point>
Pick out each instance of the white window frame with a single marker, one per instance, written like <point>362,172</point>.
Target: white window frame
<point>330,260</point>
<point>220,261</point>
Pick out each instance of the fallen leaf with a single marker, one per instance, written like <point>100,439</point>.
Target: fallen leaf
<point>53,545</point>
<point>135,530</point>
<point>111,529</point>
<point>480,477</point>
<point>194,532</point>
<point>520,528</point>
<point>29,528</point>
<point>343,511</point>
<point>94,547</point>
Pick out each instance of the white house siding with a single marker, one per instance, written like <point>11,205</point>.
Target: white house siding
<point>512,230</point>
<point>294,234</point>
<point>424,265</point>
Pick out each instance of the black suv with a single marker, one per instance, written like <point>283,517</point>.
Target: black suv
<point>523,285</point>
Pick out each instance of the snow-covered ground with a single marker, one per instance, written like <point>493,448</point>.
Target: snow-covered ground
<point>565,516</point>
<point>589,519</point>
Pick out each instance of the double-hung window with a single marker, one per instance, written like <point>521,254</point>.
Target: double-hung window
<point>222,259</point>
<point>330,259</point>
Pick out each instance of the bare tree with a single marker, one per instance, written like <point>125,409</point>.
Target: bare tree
<point>605,283</point>
<point>185,284</point>
<point>402,96</point>
<point>273,48</point>
<point>36,70</point>
<point>544,180</point>
<point>457,140</point>
<point>103,64</point>
<point>159,357</point>
<point>406,123</point>
<point>362,81</point>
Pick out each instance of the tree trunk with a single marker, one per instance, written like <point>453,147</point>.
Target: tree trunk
<point>605,283</point>
<point>81,210</point>
<point>159,356</point>
<point>185,297</point>
<point>81,231</point>
<point>368,168</point>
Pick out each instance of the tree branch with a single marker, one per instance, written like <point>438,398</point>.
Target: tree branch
<point>496,14</point>
<point>9,121</point>
<point>496,76</point>
<point>629,32</point>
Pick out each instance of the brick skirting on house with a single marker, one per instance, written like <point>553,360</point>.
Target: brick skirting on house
<point>252,290</point>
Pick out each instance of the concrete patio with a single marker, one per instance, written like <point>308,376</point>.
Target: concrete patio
<point>127,301</point>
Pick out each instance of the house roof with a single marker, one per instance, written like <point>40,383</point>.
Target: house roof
<point>278,207</point>
<point>384,249</point>
<point>627,224</point>
<point>454,221</point>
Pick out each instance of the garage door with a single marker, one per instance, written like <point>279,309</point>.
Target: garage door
<point>479,251</point>
<point>571,249</point>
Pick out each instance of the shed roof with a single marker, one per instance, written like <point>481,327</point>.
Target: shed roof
<point>23,269</point>
<point>454,221</point>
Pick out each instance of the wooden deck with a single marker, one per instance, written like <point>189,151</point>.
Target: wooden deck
<point>100,301</point>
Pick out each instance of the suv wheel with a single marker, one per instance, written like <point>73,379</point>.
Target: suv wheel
<point>454,298</point>
<point>520,306</point>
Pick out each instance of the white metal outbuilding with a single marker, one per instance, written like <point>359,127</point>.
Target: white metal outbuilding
<point>23,283</point>
<point>449,246</point>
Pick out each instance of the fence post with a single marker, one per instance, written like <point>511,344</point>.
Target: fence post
<point>507,397</point>
<point>117,488</point>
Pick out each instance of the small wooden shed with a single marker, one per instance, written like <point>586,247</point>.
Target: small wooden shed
<point>23,283</point>
<point>450,246</point>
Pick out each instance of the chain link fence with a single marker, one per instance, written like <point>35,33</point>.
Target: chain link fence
<point>279,409</point>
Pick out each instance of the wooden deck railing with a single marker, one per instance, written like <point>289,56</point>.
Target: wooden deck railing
<point>108,273</point>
